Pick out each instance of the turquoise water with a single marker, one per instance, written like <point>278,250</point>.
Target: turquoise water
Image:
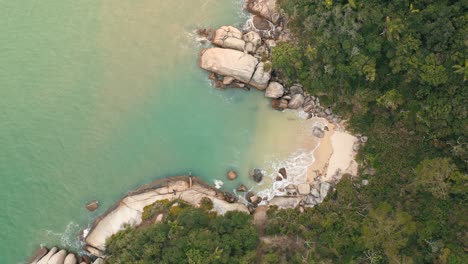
<point>98,97</point>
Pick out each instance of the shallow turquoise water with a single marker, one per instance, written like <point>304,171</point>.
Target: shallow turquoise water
<point>98,97</point>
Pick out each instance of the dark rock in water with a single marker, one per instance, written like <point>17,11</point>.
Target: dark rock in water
<point>279,104</point>
<point>92,206</point>
<point>249,195</point>
<point>261,23</point>
<point>279,178</point>
<point>232,175</point>
<point>256,175</point>
<point>230,197</point>
<point>241,188</point>
<point>283,173</point>
<point>38,255</point>
<point>255,200</point>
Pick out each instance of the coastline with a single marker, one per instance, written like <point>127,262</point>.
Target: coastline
<point>331,155</point>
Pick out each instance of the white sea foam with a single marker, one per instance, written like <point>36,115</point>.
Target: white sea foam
<point>218,184</point>
<point>68,238</point>
<point>296,166</point>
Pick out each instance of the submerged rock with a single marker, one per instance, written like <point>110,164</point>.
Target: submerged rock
<point>92,206</point>
<point>231,175</point>
<point>274,90</point>
<point>229,37</point>
<point>241,188</point>
<point>241,66</point>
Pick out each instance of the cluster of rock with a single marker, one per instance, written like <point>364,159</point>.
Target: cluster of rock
<point>242,60</point>
<point>295,97</point>
<point>56,256</point>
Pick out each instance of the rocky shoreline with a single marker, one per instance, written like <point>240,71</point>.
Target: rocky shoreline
<point>242,59</point>
<point>238,59</point>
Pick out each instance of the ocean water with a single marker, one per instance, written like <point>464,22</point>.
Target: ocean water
<point>98,97</point>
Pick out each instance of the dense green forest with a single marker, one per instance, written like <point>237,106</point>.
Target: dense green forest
<point>397,70</point>
<point>185,235</point>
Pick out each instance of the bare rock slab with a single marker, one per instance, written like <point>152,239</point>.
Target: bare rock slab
<point>229,37</point>
<point>263,8</point>
<point>274,90</point>
<point>243,67</point>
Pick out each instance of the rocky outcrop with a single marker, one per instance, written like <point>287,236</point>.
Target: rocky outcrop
<point>296,101</point>
<point>70,259</point>
<point>46,258</point>
<point>274,90</point>
<point>58,258</point>
<point>243,67</point>
<point>264,8</point>
<point>129,209</point>
<point>279,104</point>
<point>252,41</point>
<point>229,37</point>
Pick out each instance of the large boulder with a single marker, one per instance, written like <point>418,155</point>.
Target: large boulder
<point>70,259</point>
<point>296,101</point>
<point>243,67</point>
<point>279,104</point>
<point>263,8</point>
<point>47,257</point>
<point>252,41</point>
<point>283,173</point>
<point>257,175</point>
<point>261,23</point>
<point>229,37</point>
<point>274,90</point>
<point>58,258</point>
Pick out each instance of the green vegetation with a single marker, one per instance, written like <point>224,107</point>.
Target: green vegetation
<point>186,235</point>
<point>397,71</point>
